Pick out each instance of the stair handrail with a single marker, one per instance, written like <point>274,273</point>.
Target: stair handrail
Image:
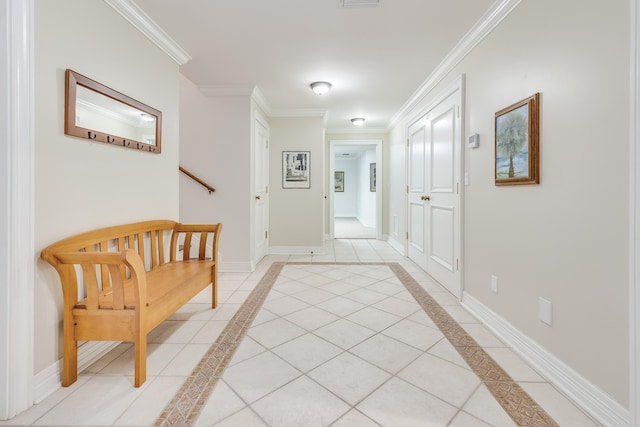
<point>196,179</point>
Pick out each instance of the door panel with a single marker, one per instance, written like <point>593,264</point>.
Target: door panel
<point>441,232</point>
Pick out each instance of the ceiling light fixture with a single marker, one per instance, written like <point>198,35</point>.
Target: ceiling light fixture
<point>320,88</point>
<point>357,121</point>
<point>147,117</point>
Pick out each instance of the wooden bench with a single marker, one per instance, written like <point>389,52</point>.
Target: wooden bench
<point>128,287</point>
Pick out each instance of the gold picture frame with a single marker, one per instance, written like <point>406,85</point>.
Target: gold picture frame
<point>517,143</point>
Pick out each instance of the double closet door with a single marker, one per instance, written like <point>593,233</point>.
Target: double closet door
<point>433,187</point>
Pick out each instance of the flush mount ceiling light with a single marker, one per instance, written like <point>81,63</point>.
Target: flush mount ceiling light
<point>147,117</point>
<point>320,88</point>
<point>357,121</point>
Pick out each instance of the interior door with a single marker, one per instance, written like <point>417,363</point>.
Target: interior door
<point>443,211</point>
<point>416,189</point>
<point>433,209</point>
<point>261,190</point>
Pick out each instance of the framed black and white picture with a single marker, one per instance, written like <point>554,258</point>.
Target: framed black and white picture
<point>295,169</point>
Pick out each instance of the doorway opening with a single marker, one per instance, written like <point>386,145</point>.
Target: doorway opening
<point>355,202</point>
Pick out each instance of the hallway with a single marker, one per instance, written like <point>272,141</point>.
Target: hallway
<point>303,341</point>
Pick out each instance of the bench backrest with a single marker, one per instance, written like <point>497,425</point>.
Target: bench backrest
<point>146,238</point>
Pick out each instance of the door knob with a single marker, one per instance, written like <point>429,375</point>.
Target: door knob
<point>425,198</point>
<point>258,197</point>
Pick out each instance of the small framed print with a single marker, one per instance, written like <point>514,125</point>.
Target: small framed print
<point>372,177</point>
<point>295,169</point>
<point>339,182</point>
<point>517,143</point>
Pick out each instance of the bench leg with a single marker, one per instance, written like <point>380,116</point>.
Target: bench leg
<point>69,361</point>
<point>140,360</point>
<point>214,286</point>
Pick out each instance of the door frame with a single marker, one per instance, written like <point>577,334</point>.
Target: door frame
<point>379,181</point>
<point>458,85</point>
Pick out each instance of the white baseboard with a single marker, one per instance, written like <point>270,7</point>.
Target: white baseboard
<point>296,250</point>
<point>590,398</point>
<point>234,267</point>
<point>49,379</point>
<point>396,245</point>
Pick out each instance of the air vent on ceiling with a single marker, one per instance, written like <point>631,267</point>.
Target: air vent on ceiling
<point>359,3</point>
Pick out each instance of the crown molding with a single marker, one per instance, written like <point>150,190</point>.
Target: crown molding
<point>214,91</point>
<point>143,23</point>
<point>262,102</point>
<point>356,130</point>
<point>475,35</point>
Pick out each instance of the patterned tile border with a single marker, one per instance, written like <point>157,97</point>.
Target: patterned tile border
<point>186,405</point>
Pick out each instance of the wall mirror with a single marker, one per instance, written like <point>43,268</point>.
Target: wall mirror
<point>101,114</point>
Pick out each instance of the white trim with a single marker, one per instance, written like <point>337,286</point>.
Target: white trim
<point>296,250</point>
<point>17,251</point>
<point>262,102</point>
<point>400,247</point>
<point>234,267</point>
<point>479,31</point>
<point>577,388</point>
<point>143,23</point>
<point>634,218</point>
<point>48,380</point>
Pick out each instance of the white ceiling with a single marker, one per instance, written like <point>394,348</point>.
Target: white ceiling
<point>375,57</point>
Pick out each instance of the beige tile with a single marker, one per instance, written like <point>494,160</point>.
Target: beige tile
<point>245,418</point>
<point>414,334</point>
<point>148,406</point>
<point>259,376</point>
<point>311,318</point>
<point>373,318</point>
<point>344,333</point>
<point>275,332</point>
<point>175,331</point>
<point>246,350</point>
<point>517,369</point>
<point>397,306</point>
<point>340,306</point>
<point>222,404</point>
<point>386,353</point>
<point>355,418</point>
<point>482,405</point>
<point>465,420</point>
<point>209,332</point>
<point>482,335</point>
<point>186,360</point>
<point>349,377</point>
<point>398,403</point>
<point>307,352</point>
<point>443,379</point>
<point>301,403</point>
<point>561,409</point>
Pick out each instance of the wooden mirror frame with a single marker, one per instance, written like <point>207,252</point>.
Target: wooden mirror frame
<point>74,79</point>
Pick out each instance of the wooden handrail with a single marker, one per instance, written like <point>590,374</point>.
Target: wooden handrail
<point>196,179</point>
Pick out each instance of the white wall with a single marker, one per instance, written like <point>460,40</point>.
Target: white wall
<point>366,199</point>
<point>82,185</point>
<point>565,239</point>
<point>346,202</point>
<point>296,215</point>
<point>216,146</point>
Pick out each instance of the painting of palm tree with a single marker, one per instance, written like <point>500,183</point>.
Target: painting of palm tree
<point>512,136</point>
<point>516,137</point>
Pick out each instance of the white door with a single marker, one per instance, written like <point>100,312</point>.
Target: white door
<point>434,192</point>
<point>261,190</point>
<point>417,189</point>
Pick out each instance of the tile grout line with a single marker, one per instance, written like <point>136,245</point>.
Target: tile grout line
<point>188,402</point>
<point>515,401</point>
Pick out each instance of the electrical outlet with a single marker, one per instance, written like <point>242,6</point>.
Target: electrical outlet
<point>545,310</point>
<point>494,284</point>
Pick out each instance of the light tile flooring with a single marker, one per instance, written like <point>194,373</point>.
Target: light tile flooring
<point>332,345</point>
<point>352,228</point>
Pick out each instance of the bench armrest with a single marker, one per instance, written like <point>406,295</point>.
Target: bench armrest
<point>115,263</point>
<point>207,234</point>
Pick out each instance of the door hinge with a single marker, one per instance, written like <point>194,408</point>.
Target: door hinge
<point>407,142</point>
<point>457,264</point>
<point>407,235</point>
<point>457,188</point>
<point>266,144</point>
<point>266,234</point>
<point>458,111</point>
<point>266,189</point>
<point>407,189</point>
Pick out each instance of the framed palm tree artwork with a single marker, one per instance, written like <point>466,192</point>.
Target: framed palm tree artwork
<point>517,143</point>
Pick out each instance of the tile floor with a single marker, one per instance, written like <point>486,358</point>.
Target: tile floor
<point>331,345</point>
